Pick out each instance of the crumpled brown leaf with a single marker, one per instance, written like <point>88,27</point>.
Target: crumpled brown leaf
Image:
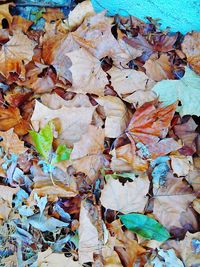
<point>9,117</point>
<point>11,142</point>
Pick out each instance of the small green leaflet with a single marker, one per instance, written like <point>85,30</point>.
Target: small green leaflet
<point>43,140</point>
<point>43,144</point>
<point>62,153</point>
<point>145,226</point>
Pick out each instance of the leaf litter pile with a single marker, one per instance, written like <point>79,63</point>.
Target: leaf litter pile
<point>99,142</point>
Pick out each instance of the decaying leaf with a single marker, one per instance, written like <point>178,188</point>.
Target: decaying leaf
<point>9,117</point>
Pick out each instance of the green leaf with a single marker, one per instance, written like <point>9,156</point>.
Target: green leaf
<point>145,226</point>
<point>187,90</point>
<point>43,140</point>
<point>62,153</point>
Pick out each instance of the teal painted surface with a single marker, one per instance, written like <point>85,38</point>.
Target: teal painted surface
<point>179,15</point>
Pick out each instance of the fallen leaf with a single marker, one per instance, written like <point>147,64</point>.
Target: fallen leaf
<point>127,81</point>
<point>50,16</point>
<point>193,175</point>
<point>127,249</point>
<point>145,226</point>
<point>181,165</point>
<point>191,47</point>
<point>116,115</point>
<point>70,123</point>
<point>149,125</point>
<point>91,78</point>
<point>186,132</point>
<point>9,117</point>
<point>173,191</point>
<point>90,143</point>
<point>5,14</point>
<point>17,52</point>
<point>189,249</point>
<point>6,196</point>
<point>95,35</point>
<point>140,97</point>
<point>11,143</point>
<point>125,198</point>
<point>158,68</point>
<point>48,258</point>
<point>185,90</point>
<point>88,236</point>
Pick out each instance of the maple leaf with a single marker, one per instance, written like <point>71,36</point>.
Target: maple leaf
<point>191,47</point>
<point>158,68</point>
<point>4,13</point>
<point>168,214</point>
<point>11,142</point>
<point>70,123</point>
<point>185,90</point>
<point>125,198</point>
<point>95,35</point>
<point>127,81</point>
<point>9,117</point>
<point>149,125</point>
<point>17,52</point>
<point>181,165</point>
<point>87,74</point>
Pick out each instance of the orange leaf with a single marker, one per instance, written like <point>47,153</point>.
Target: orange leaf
<point>9,117</point>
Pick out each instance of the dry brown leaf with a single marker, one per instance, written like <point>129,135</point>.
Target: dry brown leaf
<point>88,236</point>
<point>78,14</point>
<point>158,68</point>
<point>189,249</point>
<point>70,123</point>
<point>11,142</point>
<point>125,198</point>
<point>129,250</point>
<point>181,165</point>
<point>15,53</point>
<point>5,14</point>
<point>117,115</point>
<point>90,165</point>
<point>140,97</point>
<point>6,196</point>
<point>9,117</point>
<point>95,35</point>
<point>87,74</point>
<point>127,81</point>
<point>90,143</point>
<point>193,175</point>
<point>48,258</point>
<point>20,23</point>
<point>53,16</point>
<point>53,192</point>
<point>196,205</point>
<point>168,214</point>
<point>55,46</point>
<point>191,47</point>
